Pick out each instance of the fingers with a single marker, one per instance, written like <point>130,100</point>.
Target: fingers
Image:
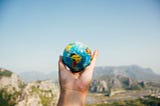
<point>94,58</point>
<point>89,69</point>
<point>61,64</point>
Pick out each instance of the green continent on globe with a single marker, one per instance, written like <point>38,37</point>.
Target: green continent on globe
<point>76,56</point>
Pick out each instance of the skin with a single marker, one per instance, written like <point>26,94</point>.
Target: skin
<point>74,86</point>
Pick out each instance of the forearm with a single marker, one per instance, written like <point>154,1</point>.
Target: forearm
<point>72,98</point>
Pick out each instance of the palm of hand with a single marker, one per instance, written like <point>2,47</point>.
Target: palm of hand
<point>76,81</point>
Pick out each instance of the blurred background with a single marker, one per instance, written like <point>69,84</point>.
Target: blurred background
<point>33,33</point>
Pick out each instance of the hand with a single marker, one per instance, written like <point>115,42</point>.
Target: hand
<point>75,83</point>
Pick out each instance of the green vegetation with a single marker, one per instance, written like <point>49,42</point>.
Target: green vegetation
<point>147,101</point>
<point>5,73</point>
<point>44,99</point>
<point>35,89</point>
<point>4,99</point>
<point>7,99</point>
<point>21,85</point>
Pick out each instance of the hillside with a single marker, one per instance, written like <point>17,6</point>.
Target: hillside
<point>14,92</point>
<point>132,71</point>
<point>113,84</point>
<point>108,84</point>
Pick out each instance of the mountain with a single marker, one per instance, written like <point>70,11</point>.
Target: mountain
<point>14,92</point>
<point>10,87</point>
<point>132,71</point>
<point>44,92</point>
<point>39,93</point>
<point>112,80</point>
<point>29,76</point>
<point>115,83</point>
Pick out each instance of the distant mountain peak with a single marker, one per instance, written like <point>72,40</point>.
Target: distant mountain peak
<point>132,71</point>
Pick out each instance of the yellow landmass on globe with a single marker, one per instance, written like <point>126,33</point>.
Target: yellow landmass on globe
<point>76,59</point>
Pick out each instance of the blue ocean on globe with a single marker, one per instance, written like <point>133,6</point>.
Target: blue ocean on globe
<point>76,56</point>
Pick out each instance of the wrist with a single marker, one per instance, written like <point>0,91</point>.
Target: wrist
<point>71,97</point>
<point>75,92</point>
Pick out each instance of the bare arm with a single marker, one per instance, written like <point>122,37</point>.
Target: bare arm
<point>74,86</point>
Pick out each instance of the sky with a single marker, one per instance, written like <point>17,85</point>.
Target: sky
<point>33,33</point>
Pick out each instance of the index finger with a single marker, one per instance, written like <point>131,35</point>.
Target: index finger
<point>93,61</point>
<point>87,73</point>
<point>94,58</point>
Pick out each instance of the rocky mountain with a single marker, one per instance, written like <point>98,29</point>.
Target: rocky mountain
<point>39,93</point>
<point>14,92</point>
<point>112,80</point>
<point>43,92</point>
<point>115,83</point>
<point>132,71</point>
<point>10,88</point>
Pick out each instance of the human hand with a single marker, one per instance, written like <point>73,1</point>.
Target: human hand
<point>75,84</point>
<point>76,81</point>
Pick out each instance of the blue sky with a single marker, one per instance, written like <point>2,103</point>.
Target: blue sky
<point>34,33</point>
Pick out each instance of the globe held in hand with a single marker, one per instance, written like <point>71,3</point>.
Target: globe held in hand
<point>76,56</point>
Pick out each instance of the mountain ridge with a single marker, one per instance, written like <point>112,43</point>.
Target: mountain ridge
<point>106,80</point>
<point>133,71</point>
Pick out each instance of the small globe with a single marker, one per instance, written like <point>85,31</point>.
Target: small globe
<point>76,56</point>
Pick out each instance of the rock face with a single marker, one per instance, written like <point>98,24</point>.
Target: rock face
<point>9,81</point>
<point>98,86</point>
<point>10,88</point>
<point>114,80</point>
<point>39,93</point>
<point>115,84</point>
<point>14,92</point>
